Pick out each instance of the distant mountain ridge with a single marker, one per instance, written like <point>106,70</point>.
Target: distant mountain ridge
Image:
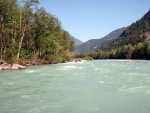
<point>77,41</point>
<point>135,33</point>
<point>92,44</point>
<point>89,45</point>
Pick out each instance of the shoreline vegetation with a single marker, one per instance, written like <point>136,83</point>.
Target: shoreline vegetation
<point>139,51</point>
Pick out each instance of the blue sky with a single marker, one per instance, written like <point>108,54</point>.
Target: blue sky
<point>92,19</point>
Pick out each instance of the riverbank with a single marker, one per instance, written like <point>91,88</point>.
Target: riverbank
<point>22,65</point>
<point>11,67</point>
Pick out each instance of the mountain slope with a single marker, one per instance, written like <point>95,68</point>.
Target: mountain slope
<point>77,41</point>
<point>92,44</point>
<point>135,33</point>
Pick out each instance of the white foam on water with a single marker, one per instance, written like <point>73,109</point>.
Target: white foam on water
<point>101,82</point>
<point>133,73</point>
<point>147,91</point>
<point>69,67</point>
<point>30,71</point>
<point>125,60</point>
<point>34,110</point>
<point>101,70</point>
<point>97,69</point>
<point>73,62</point>
<point>26,97</point>
<point>132,89</point>
<point>69,63</point>
<point>94,109</point>
<point>43,107</point>
<point>10,83</point>
<point>123,86</point>
<point>57,106</point>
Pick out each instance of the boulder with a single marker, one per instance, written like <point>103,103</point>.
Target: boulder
<point>17,66</point>
<point>5,67</point>
<point>2,62</point>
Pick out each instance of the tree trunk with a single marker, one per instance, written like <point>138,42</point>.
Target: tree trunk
<point>20,45</point>
<point>1,46</point>
<point>21,37</point>
<point>1,35</point>
<point>20,21</point>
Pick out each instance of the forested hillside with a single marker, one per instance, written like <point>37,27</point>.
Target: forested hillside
<point>29,33</point>
<point>135,33</point>
<point>133,43</point>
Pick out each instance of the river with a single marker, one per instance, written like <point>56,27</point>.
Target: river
<point>101,86</point>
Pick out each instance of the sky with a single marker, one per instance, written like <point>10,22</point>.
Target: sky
<point>93,19</point>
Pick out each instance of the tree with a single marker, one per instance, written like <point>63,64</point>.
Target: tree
<point>25,19</point>
<point>138,52</point>
<point>8,27</point>
<point>3,9</point>
<point>128,51</point>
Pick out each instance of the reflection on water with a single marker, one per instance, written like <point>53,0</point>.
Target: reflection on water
<point>103,86</point>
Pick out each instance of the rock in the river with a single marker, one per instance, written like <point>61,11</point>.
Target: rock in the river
<point>2,62</point>
<point>17,66</point>
<point>9,67</point>
<point>5,66</point>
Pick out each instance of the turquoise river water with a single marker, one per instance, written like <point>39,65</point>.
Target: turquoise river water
<point>102,86</point>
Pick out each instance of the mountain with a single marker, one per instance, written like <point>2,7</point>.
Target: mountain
<point>92,44</point>
<point>135,33</point>
<point>77,41</point>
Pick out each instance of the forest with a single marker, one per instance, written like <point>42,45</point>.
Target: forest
<point>139,51</point>
<point>30,34</point>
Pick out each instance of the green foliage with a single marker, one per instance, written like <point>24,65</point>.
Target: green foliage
<point>88,58</point>
<point>142,51</point>
<point>139,51</point>
<point>37,33</point>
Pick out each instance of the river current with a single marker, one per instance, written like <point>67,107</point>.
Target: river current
<point>101,86</point>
